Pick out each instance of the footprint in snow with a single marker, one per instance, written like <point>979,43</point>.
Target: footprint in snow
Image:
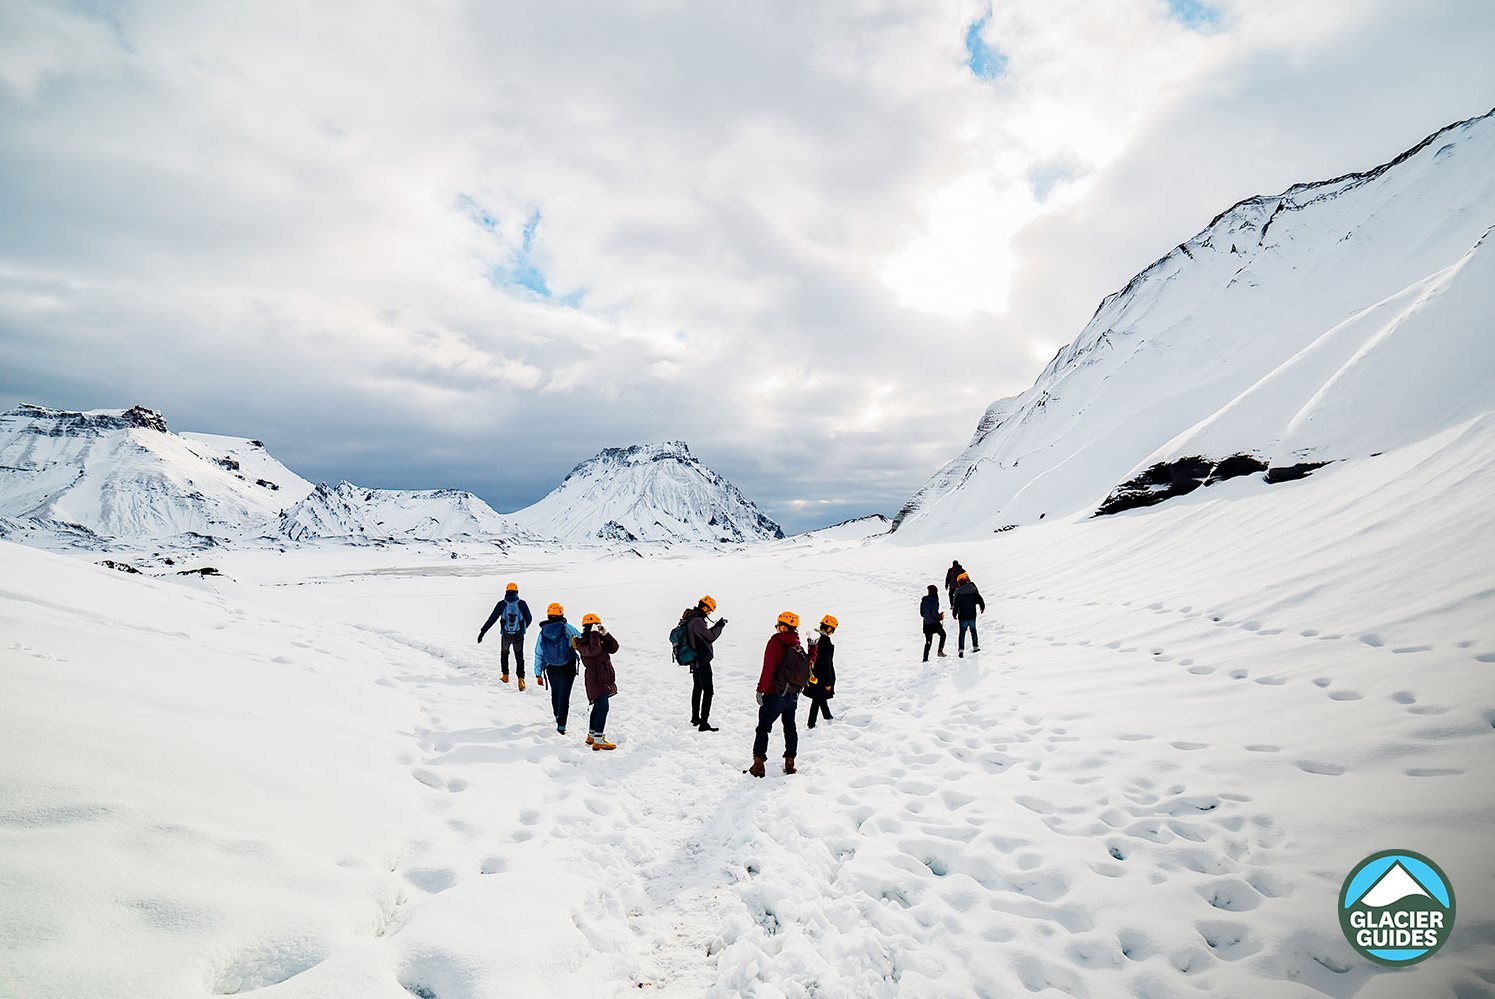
<point>1321,681</point>
<point>1316,767</point>
<point>1344,695</point>
<point>1373,640</point>
<point>1435,772</point>
<point>1407,649</point>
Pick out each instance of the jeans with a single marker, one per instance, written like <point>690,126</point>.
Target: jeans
<point>930,630</point>
<point>817,704</point>
<point>599,716</point>
<point>965,626</point>
<point>777,706</point>
<point>515,642</point>
<point>700,693</point>
<point>560,679</point>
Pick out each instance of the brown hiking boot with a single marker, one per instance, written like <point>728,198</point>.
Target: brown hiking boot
<point>789,765</point>
<point>521,683</point>
<point>757,768</point>
<point>603,744</point>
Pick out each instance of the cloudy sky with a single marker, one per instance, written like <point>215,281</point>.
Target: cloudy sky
<point>439,243</point>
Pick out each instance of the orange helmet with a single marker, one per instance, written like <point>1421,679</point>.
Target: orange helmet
<point>708,602</point>
<point>556,610</point>
<point>512,588</point>
<point>829,622</point>
<point>964,577</point>
<point>790,618</point>
<point>587,619</point>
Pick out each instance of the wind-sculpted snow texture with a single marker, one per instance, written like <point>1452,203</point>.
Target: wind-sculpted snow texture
<point>303,776</point>
<point>648,493</point>
<point>350,513</point>
<point>1328,323</point>
<point>122,474</point>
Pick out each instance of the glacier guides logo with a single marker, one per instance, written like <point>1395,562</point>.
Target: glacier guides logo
<point>1396,908</point>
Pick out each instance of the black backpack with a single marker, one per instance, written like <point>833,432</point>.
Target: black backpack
<point>794,670</point>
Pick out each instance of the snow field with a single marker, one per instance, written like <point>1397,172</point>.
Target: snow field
<point>1184,728</point>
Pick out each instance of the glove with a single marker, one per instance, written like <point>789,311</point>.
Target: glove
<point>540,679</point>
<point>828,691</point>
<point>760,699</point>
<point>600,630</point>
<point>722,621</point>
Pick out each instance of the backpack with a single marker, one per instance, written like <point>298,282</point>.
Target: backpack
<point>680,648</point>
<point>512,620</point>
<point>553,645</point>
<point>794,670</point>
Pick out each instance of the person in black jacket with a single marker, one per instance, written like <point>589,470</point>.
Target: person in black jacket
<point>515,617</point>
<point>822,669</point>
<point>702,637</point>
<point>934,620</point>
<point>951,575</point>
<point>967,599</point>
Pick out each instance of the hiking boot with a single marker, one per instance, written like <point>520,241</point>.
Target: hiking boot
<point>962,653</point>
<point>706,726</point>
<point>560,730</point>
<point>505,678</point>
<point>521,683</point>
<point>789,765</point>
<point>602,744</point>
<point>590,740</point>
<point>944,656</point>
<point>695,722</point>
<point>975,649</point>
<point>757,768</point>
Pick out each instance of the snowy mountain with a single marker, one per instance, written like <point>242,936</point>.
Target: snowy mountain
<point>124,474</point>
<point>855,529</point>
<point>649,492</point>
<point>1330,322</point>
<point>346,512</point>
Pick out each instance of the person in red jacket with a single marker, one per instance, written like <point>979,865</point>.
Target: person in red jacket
<point>596,646</point>
<point>784,663</point>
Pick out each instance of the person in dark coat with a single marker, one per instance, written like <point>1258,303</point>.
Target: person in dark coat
<point>934,620</point>
<point>822,670</point>
<point>951,575</point>
<point>702,637</point>
<point>776,702</point>
<point>967,600</point>
<point>514,617</point>
<point>596,646</point>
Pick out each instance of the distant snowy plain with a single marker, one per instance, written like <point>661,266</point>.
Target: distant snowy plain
<point>1185,726</point>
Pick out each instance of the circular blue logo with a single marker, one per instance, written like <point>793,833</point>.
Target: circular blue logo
<point>1396,908</point>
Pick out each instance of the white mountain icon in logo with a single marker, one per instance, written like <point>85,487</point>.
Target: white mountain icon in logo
<point>1393,886</point>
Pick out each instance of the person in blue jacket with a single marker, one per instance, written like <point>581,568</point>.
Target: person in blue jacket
<point>934,620</point>
<point>555,662</point>
<point>513,617</point>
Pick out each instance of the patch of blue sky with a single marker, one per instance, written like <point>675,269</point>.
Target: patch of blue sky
<point>985,61</point>
<point>521,272</point>
<point>1195,14</point>
<point>1044,179</point>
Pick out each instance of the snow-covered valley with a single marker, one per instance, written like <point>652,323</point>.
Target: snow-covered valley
<point>1186,724</point>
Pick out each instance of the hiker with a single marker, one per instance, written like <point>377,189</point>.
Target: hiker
<point>513,616</point>
<point>952,574</point>
<point>697,651</point>
<point>596,646</point>
<point>934,620</point>
<point>786,670</point>
<point>822,685</point>
<point>967,599</point>
<point>555,662</point>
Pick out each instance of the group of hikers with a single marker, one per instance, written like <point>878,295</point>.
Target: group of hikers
<point>965,601</point>
<point>789,669</point>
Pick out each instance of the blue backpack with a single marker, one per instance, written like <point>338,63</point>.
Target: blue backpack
<point>553,645</point>
<point>512,621</point>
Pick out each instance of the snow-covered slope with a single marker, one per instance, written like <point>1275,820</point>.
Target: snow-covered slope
<point>346,512</point>
<point>1330,322</point>
<point>124,474</point>
<point>856,529</point>
<point>649,492</point>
